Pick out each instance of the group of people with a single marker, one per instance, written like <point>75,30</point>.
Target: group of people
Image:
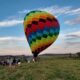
<point>10,62</point>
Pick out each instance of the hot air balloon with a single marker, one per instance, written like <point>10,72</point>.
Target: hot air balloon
<point>41,30</point>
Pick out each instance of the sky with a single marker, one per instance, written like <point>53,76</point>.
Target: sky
<point>12,37</point>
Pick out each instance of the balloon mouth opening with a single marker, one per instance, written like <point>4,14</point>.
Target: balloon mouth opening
<point>35,55</point>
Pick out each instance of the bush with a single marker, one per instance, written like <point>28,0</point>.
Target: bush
<point>78,53</point>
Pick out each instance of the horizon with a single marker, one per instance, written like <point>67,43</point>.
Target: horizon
<point>41,54</point>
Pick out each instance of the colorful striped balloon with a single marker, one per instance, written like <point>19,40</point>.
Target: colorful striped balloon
<point>41,30</point>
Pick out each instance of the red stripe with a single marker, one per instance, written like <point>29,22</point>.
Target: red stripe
<point>55,24</point>
<point>48,24</point>
<point>41,25</point>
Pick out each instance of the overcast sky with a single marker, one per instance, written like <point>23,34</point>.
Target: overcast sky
<point>12,37</point>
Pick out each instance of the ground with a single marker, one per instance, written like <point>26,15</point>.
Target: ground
<point>47,68</point>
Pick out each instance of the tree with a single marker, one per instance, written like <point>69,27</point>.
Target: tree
<point>78,53</point>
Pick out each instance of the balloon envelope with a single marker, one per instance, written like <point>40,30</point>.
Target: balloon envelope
<point>41,30</point>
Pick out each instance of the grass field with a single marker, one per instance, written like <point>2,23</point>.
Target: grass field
<point>47,68</point>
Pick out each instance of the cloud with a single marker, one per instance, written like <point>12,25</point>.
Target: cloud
<point>68,10</point>
<point>16,51</point>
<point>12,38</point>
<point>14,20</point>
<point>73,21</point>
<point>52,9</point>
<point>8,23</point>
<point>73,34</point>
<point>23,11</point>
<point>56,10</point>
<point>74,11</point>
<point>73,39</point>
<point>11,41</point>
<point>14,46</point>
<point>19,45</point>
<point>73,43</point>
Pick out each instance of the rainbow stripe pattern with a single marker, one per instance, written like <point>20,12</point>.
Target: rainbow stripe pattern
<point>41,29</point>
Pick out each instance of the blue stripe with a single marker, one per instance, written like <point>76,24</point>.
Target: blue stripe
<point>39,33</point>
